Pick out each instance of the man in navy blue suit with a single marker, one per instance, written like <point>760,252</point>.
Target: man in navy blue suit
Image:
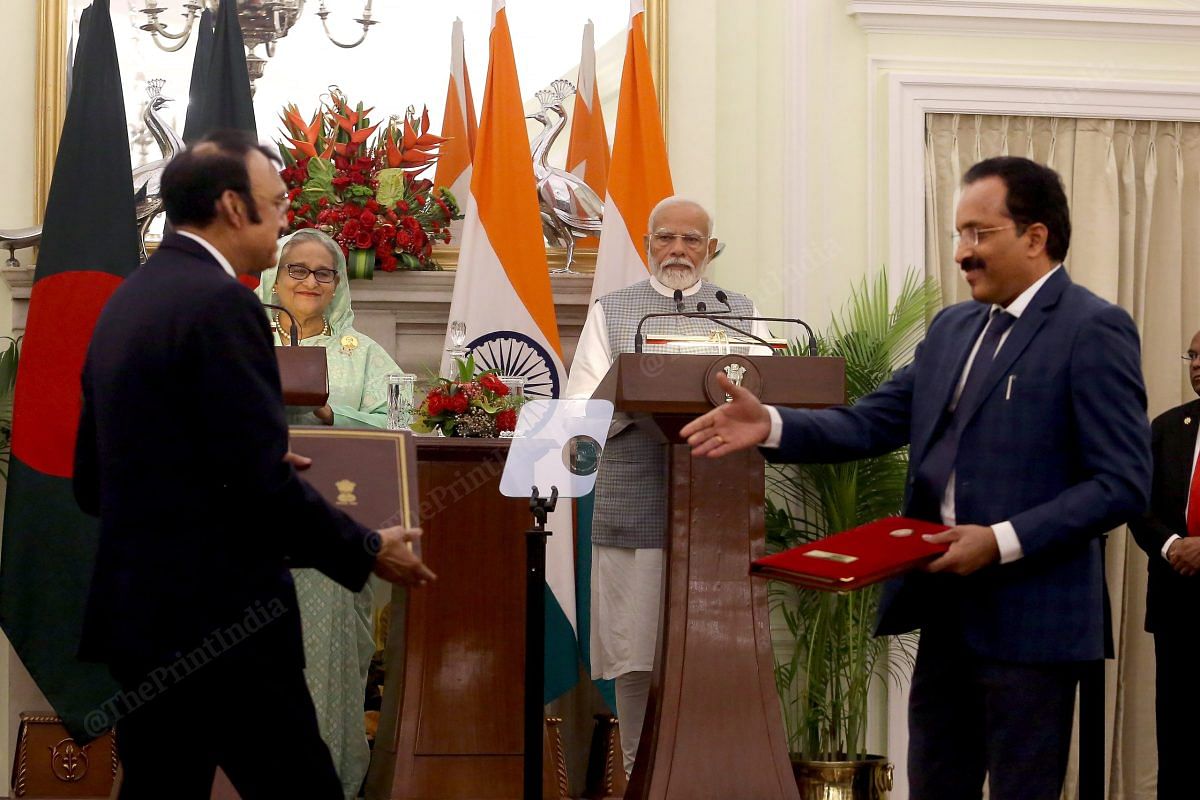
<point>1025,416</point>
<point>183,454</point>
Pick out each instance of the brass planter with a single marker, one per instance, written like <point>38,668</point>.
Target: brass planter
<point>868,778</point>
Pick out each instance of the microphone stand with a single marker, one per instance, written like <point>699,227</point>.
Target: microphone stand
<point>295,334</point>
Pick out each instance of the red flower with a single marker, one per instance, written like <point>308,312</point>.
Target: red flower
<point>411,225</point>
<point>367,219</point>
<point>323,201</point>
<point>491,381</point>
<point>435,403</point>
<point>506,420</point>
<point>363,240</point>
<point>340,182</point>
<point>403,207</point>
<point>458,403</point>
<point>350,229</point>
<point>372,206</point>
<point>446,237</point>
<point>387,262</point>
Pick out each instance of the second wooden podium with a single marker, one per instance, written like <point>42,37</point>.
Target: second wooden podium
<point>713,726</point>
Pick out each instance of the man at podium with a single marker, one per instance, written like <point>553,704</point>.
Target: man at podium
<point>629,523</point>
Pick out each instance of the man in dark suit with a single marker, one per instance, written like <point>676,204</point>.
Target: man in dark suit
<point>182,452</point>
<point>1170,534</point>
<point>1024,412</point>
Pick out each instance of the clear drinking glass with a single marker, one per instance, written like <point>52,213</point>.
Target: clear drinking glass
<point>457,349</point>
<point>400,386</point>
<point>515,398</point>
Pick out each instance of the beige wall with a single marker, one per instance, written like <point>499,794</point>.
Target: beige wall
<point>19,23</point>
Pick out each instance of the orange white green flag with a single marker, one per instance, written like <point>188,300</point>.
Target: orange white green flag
<point>587,150</point>
<point>639,175</point>
<point>502,293</point>
<point>458,128</point>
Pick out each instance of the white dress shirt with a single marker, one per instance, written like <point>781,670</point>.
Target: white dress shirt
<point>222,260</point>
<point>1006,535</point>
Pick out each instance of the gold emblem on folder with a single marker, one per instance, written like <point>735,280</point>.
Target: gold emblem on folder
<point>346,496</point>
<point>841,558</point>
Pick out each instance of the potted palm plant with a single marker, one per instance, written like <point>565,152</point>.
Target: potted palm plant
<point>826,657</point>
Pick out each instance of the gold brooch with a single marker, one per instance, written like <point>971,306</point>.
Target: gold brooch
<point>349,342</point>
<point>1187,420</point>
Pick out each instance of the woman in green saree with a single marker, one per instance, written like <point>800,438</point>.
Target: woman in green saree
<point>310,281</point>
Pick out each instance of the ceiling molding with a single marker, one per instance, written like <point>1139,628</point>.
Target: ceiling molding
<point>1028,19</point>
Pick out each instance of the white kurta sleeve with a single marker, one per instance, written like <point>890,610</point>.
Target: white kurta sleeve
<point>592,355</point>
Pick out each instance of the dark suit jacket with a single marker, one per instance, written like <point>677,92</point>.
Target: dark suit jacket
<point>180,452</point>
<point>1058,444</point>
<point>1171,599</point>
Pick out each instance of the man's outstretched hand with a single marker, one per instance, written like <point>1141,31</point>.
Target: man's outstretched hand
<point>730,427</point>
<point>396,562</point>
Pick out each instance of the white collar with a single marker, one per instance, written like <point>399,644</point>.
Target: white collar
<point>1018,306</point>
<point>214,252</point>
<point>667,291</point>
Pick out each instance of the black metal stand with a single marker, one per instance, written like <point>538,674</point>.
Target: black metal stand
<point>535,639</point>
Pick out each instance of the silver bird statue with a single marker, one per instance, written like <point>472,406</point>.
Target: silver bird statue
<point>146,178</point>
<point>570,210</point>
<point>15,239</point>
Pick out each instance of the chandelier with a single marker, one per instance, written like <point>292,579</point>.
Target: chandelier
<point>264,22</point>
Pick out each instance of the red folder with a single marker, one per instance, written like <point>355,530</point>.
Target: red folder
<point>855,558</point>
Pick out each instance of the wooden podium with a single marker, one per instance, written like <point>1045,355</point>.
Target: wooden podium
<point>451,721</point>
<point>713,726</point>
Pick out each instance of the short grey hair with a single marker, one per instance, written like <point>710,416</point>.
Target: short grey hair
<point>313,235</point>
<point>680,200</point>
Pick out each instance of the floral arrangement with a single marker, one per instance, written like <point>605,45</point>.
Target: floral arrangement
<point>471,405</point>
<point>358,183</point>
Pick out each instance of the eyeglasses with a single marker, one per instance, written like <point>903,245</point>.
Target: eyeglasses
<point>971,237</point>
<point>1190,356</point>
<point>300,272</point>
<point>693,241</point>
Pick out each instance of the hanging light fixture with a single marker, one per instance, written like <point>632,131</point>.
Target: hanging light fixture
<point>264,22</point>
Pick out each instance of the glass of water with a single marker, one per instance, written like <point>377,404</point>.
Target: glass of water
<point>515,398</point>
<point>400,386</point>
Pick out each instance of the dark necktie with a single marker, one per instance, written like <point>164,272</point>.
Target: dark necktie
<point>934,470</point>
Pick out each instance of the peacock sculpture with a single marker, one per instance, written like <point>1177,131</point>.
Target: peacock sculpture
<point>570,209</point>
<point>146,178</point>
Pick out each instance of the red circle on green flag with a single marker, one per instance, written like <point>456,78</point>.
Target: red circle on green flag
<point>63,309</point>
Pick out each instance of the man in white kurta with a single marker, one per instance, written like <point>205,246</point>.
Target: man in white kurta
<point>629,521</point>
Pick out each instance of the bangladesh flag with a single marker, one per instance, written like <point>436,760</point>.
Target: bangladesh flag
<point>220,86</point>
<point>89,243</point>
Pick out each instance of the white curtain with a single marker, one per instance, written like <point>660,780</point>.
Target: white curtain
<point>1134,191</point>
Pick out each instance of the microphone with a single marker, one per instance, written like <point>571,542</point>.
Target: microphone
<point>679,300</point>
<point>701,307</point>
<point>295,337</point>
<point>723,299</point>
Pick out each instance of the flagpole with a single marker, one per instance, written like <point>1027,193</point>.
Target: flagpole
<point>535,640</point>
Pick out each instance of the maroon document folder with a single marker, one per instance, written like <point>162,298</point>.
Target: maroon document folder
<point>855,558</point>
<point>370,474</point>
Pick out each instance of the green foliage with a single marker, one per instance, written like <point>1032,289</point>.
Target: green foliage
<point>8,381</point>
<point>825,679</point>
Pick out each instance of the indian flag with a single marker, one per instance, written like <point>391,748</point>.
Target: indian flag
<point>502,293</point>
<point>458,128</point>
<point>587,150</point>
<point>639,175</point>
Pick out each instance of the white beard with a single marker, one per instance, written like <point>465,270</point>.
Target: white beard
<point>678,275</point>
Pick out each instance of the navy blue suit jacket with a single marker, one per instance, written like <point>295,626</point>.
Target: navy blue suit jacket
<point>180,453</point>
<point>1058,444</point>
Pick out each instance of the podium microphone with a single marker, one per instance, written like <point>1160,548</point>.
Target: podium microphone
<point>679,300</point>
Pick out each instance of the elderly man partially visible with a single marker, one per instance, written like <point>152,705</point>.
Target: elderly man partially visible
<point>629,524</point>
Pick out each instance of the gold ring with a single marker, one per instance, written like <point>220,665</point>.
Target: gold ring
<point>720,439</point>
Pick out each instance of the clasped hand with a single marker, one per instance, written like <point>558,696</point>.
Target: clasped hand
<point>972,547</point>
<point>1184,555</point>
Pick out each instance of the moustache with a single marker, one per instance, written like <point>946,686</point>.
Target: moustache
<point>676,262</point>
<point>972,263</point>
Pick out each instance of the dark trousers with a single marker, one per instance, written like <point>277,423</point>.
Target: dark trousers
<point>971,717</point>
<point>1177,707</point>
<point>253,719</point>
